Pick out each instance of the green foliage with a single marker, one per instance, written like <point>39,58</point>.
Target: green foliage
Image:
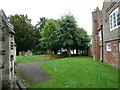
<point>62,33</point>
<point>41,23</point>
<point>27,36</point>
<point>68,30</point>
<point>79,72</point>
<point>24,32</point>
<point>49,34</point>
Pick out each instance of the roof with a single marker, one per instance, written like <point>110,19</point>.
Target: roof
<point>4,17</point>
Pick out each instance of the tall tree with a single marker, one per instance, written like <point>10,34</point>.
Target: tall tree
<point>68,29</point>
<point>24,32</point>
<point>49,35</point>
<point>82,40</point>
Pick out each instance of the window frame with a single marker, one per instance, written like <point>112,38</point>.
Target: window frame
<point>107,47</point>
<point>113,19</point>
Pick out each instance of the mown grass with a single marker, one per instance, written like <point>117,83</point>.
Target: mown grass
<point>79,72</point>
<point>21,59</point>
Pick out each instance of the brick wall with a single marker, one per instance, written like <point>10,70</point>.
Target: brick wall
<point>112,57</point>
<point>96,23</point>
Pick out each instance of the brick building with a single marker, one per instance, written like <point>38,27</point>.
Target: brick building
<point>107,25</point>
<point>7,53</point>
<point>96,32</point>
<point>111,32</point>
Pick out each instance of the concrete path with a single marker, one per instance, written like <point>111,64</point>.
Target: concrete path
<point>32,73</point>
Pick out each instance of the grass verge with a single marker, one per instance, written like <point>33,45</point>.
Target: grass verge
<point>79,72</point>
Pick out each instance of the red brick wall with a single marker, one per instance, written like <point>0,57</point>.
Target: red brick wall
<point>96,23</point>
<point>90,53</point>
<point>112,57</point>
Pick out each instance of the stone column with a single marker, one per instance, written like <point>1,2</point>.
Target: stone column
<point>0,53</point>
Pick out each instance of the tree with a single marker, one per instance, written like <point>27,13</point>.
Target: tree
<point>49,35</point>
<point>24,32</point>
<point>82,40</point>
<point>67,31</point>
<point>36,41</point>
<point>41,23</point>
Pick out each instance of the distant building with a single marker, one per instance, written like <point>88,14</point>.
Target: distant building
<point>7,53</point>
<point>106,33</point>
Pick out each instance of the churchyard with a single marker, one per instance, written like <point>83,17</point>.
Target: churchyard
<point>70,72</point>
<point>58,53</point>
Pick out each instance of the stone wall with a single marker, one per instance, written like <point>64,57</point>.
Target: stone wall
<point>7,53</point>
<point>90,53</point>
<point>0,54</point>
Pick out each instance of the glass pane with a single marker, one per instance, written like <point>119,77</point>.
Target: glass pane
<point>114,20</point>
<point>111,22</point>
<point>118,19</point>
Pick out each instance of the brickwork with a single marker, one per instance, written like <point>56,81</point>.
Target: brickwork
<point>112,57</point>
<point>112,37</point>
<point>96,23</point>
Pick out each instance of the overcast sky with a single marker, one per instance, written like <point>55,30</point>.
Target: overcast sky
<point>35,9</point>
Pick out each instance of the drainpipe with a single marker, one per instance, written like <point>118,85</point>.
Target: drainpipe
<point>102,43</point>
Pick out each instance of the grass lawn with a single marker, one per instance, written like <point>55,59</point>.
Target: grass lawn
<point>21,59</point>
<point>79,72</point>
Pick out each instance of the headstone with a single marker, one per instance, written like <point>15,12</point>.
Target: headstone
<point>29,53</point>
<point>25,55</point>
<point>20,53</point>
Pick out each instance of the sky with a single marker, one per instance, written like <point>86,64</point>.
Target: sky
<point>81,9</point>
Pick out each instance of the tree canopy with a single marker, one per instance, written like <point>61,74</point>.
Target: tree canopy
<point>49,34</point>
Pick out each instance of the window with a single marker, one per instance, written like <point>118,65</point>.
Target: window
<point>2,38</point>
<point>108,47</point>
<point>100,35</point>
<point>11,57</point>
<point>2,52</point>
<point>12,46</point>
<point>11,35</point>
<point>114,19</point>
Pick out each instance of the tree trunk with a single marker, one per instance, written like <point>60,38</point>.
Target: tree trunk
<point>76,51</point>
<point>73,51</point>
<point>82,52</point>
<point>61,51</point>
<point>69,51</point>
<point>50,52</point>
<point>55,51</point>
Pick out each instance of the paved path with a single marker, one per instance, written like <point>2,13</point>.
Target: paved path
<point>32,73</point>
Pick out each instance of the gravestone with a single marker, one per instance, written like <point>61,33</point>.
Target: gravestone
<point>20,54</point>
<point>29,53</point>
<point>25,54</point>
